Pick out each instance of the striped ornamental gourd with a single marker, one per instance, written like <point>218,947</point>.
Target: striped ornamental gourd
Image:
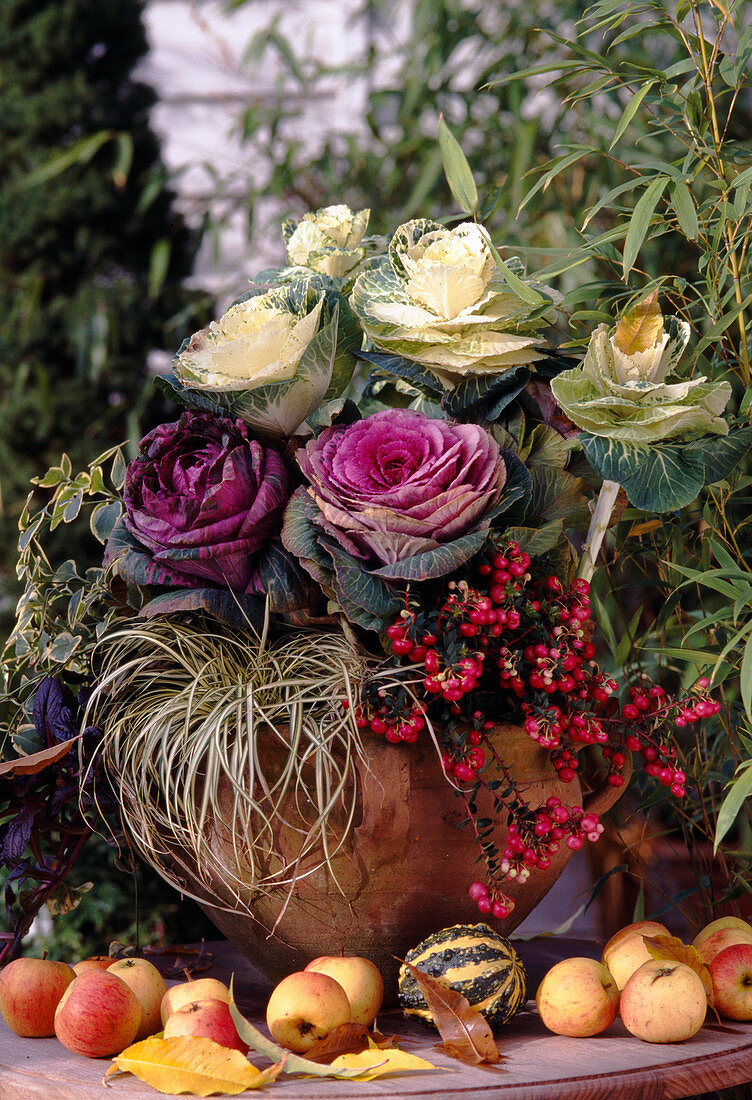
<point>474,960</point>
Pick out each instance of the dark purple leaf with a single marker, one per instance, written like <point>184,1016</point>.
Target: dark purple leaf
<point>16,833</point>
<point>54,709</point>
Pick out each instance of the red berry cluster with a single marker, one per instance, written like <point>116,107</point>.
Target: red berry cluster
<point>392,714</point>
<point>509,641</point>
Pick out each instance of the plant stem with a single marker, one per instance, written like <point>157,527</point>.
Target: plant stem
<point>604,506</point>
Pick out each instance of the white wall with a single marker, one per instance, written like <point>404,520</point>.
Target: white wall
<point>197,67</point>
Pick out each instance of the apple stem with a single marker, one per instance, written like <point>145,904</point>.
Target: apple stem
<point>187,973</point>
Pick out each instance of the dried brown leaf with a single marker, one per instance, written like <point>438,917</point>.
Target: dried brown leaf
<point>640,326</point>
<point>671,947</point>
<point>36,761</point>
<point>466,1034</point>
<point>345,1039</point>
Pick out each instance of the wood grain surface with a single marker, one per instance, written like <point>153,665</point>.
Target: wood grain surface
<point>536,1064</point>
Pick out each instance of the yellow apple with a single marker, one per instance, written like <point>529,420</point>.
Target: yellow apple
<point>708,948</point>
<point>94,962</point>
<point>361,981</point>
<point>305,1007</point>
<point>663,1002</point>
<point>577,997</point>
<point>717,925</point>
<point>148,985</point>
<point>207,1019</point>
<point>185,993</point>
<point>626,949</point>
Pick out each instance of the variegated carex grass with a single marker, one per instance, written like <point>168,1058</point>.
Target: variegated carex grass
<point>209,728</point>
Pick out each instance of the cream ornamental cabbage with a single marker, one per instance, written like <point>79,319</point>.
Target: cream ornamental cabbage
<point>254,343</point>
<point>273,358</point>
<point>439,299</point>
<point>327,241</point>
<point>619,391</point>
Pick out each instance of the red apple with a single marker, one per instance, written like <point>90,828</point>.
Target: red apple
<point>148,985</point>
<point>186,993</point>
<point>207,1019</point>
<point>98,1015</point>
<point>717,925</point>
<point>30,991</point>
<point>361,981</point>
<point>304,1007</point>
<point>94,962</point>
<point>713,944</point>
<point>731,974</point>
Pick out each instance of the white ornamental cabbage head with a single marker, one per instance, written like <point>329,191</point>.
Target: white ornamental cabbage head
<point>253,343</point>
<point>327,241</point>
<point>439,299</point>
<point>273,358</point>
<point>620,390</point>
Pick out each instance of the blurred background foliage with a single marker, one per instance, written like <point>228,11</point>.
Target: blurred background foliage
<point>571,122</point>
<point>93,255</point>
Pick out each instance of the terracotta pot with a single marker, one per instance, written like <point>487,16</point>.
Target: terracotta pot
<point>405,867</point>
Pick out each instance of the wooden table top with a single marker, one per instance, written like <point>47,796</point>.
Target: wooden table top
<point>537,1065</point>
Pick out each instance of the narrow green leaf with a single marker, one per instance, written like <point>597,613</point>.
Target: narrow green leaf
<point>159,262</point>
<point>627,639</point>
<point>640,222</point>
<point>739,790</point>
<point>81,152</point>
<point>721,325</point>
<point>701,657</point>
<point>123,159</point>
<point>684,206</point>
<point>457,170</point>
<point>746,676</point>
<point>516,285</point>
<point>630,111</point>
<point>559,165</point>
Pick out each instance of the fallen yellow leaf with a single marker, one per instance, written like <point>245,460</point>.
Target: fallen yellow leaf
<point>381,1062</point>
<point>189,1064</point>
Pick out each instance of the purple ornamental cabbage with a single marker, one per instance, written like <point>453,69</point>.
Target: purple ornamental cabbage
<point>205,500</point>
<point>398,483</point>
